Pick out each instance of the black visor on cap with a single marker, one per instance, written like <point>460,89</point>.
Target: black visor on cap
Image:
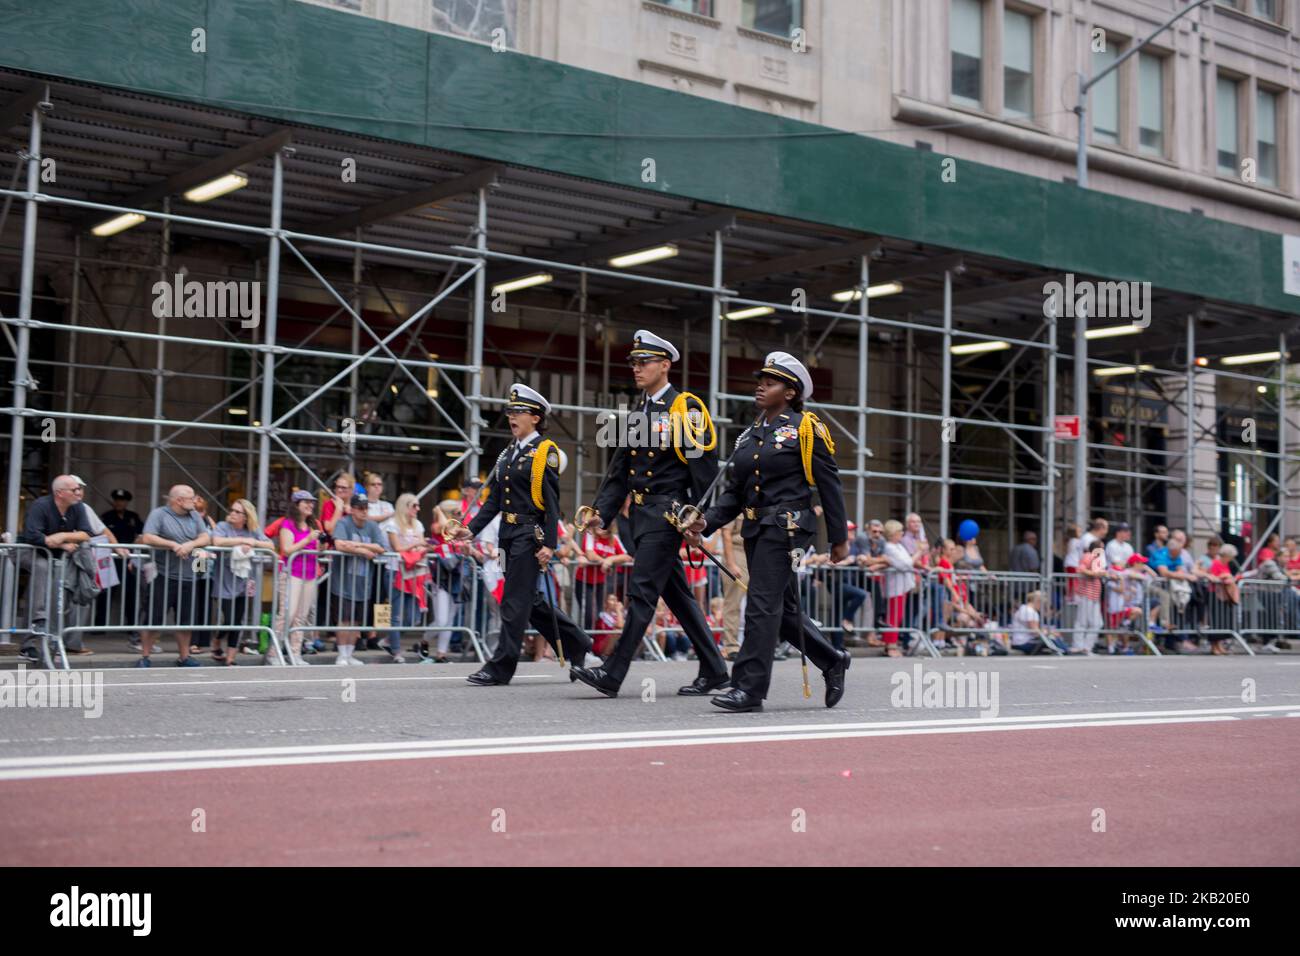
<point>785,375</point>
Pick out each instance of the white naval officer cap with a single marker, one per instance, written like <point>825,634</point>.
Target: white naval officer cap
<point>525,399</point>
<point>648,345</point>
<point>787,368</point>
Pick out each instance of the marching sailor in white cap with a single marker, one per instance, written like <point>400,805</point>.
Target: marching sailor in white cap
<point>777,464</point>
<point>668,463</point>
<point>525,491</point>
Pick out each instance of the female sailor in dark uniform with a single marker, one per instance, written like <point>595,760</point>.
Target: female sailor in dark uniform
<point>776,466</point>
<point>525,487</point>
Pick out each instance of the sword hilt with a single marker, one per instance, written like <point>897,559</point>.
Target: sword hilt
<point>682,517</point>
<point>582,517</point>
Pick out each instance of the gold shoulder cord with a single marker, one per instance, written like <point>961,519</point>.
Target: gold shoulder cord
<point>806,440</point>
<point>680,417</point>
<point>544,450</point>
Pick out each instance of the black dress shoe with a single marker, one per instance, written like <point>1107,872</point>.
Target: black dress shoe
<point>484,678</point>
<point>737,701</point>
<point>597,678</point>
<point>834,676</point>
<point>702,685</point>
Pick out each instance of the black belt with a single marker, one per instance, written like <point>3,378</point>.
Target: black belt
<point>754,514</point>
<point>522,519</point>
<point>645,500</point>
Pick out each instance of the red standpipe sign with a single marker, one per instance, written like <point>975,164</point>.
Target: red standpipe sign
<point>1066,426</point>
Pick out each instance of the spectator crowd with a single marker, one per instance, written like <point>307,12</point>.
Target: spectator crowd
<point>351,567</point>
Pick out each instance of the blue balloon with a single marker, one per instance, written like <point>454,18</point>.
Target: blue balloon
<point>968,529</point>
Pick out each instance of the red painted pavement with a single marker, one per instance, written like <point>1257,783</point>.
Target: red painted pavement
<point>1190,794</point>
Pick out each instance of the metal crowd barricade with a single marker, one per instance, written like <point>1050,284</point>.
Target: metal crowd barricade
<point>152,590</point>
<point>1269,608</point>
<point>1198,612</point>
<point>585,600</point>
<point>432,599</point>
<point>29,601</point>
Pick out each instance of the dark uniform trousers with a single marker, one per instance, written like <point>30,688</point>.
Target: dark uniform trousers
<point>772,611</point>
<point>658,572</point>
<point>522,604</point>
<point>768,474</point>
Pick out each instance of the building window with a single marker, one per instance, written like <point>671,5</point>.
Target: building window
<point>1017,64</point>
<point>1266,137</point>
<point>1265,9</point>
<point>1105,96</point>
<point>703,8</point>
<point>1151,104</point>
<point>477,19</point>
<point>780,17</point>
<point>1225,123</point>
<point>966,40</point>
<point>354,6</point>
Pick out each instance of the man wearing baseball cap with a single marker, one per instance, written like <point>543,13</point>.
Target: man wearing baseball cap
<point>675,464</point>
<point>470,490</point>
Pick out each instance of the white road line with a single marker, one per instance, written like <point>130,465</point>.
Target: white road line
<point>94,771</point>
<point>18,768</point>
<point>201,682</point>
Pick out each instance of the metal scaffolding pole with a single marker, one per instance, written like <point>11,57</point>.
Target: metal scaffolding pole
<point>1081,409</point>
<point>715,330</point>
<point>272,313</point>
<point>1046,537</point>
<point>580,452</point>
<point>1189,469</point>
<point>159,372</point>
<point>475,407</point>
<point>909,393</point>
<point>863,312</point>
<point>74,310</point>
<point>1283,484</point>
<point>945,478</point>
<point>22,374</point>
<point>354,383</point>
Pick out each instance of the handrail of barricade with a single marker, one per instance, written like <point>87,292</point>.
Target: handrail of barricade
<point>19,617</point>
<point>382,590</point>
<point>139,576</point>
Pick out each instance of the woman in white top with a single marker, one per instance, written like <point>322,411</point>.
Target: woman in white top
<point>406,533</point>
<point>1027,633</point>
<point>900,578</point>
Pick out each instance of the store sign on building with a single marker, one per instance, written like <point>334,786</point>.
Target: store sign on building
<point>1291,265</point>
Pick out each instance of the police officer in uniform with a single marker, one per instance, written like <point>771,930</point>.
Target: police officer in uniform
<point>121,520</point>
<point>525,491</point>
<point>126,526</point>
<point>669,462</point>
<point>776,466</point>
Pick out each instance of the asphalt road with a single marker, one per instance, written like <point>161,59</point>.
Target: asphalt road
<point>548,771</point>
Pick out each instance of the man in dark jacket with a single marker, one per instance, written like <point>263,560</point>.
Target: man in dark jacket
<point>668,457</point>
<point>55,525</point>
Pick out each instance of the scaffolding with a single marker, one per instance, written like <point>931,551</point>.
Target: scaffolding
<point>890,451</point>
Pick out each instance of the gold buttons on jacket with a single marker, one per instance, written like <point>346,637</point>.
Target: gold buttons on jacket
<point>650,453</point>
<point>633,452</point>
